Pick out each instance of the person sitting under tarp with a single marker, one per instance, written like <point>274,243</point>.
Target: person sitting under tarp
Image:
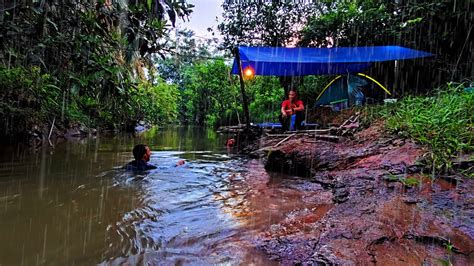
<point>291,113</point>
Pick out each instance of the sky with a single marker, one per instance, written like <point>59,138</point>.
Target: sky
<point>203,16</point>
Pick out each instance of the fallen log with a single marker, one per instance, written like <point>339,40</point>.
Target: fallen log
<point>279,135</point>
<point>237,128</point>
<point>319,131</point>
<point>323,137</point>
<point>349,126</point>
<point>300,132</point>
<point>283,140</point>
<point>345,123</point>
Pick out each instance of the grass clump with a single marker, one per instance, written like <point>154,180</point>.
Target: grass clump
<point>443,122</point>
<point>406,181</point>
<point>410,182</point>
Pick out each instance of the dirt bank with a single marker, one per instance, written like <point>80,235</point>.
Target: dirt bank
<point>375,206</point>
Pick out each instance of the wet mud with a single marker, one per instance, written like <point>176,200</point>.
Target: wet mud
<point>370,203</point>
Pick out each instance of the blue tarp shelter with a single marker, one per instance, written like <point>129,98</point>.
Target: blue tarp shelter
<point>298,61</point>
<point>281,61</point>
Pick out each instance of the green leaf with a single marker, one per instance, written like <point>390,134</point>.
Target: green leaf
<point>149,3</point>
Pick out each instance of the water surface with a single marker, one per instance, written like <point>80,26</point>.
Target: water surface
<point>74,205</point>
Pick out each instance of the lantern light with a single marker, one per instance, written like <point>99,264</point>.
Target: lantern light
<point>248,72</point>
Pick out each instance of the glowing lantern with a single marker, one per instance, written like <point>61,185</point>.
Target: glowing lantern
<point>248,72</point>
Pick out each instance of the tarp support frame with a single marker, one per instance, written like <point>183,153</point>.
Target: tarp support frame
<point>242,88</point>
<point>376,82</point>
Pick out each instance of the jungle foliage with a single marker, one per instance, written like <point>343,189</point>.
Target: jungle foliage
<point>87,61</point>
<point>442,121</point>
<point>209,94</point>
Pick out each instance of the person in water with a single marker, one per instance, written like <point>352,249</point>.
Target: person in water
<point>291,109</point>
<point>142,155</point>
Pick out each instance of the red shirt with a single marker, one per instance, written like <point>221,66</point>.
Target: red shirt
<point>287,105</point>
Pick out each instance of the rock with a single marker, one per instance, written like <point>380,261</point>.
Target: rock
<point>414,169</point>
<point>410,200</point>
<point>84,131</point>
<point>35,137</point>
<point>398,142</point>
<point>367,209</point>
<point>340,195</point>
<point>293,163</point>
<point>324,180</point>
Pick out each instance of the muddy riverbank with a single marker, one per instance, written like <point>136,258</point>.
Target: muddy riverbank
<point>371,202</point>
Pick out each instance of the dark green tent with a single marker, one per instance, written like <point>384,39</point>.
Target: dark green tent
<point>349,90</point>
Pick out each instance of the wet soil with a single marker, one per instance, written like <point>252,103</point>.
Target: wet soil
<point>372,204</point>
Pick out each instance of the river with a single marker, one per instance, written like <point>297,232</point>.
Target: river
<point>74,205</point>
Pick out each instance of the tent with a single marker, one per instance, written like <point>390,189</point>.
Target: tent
<point>349,90</point>
<point>282,61</point>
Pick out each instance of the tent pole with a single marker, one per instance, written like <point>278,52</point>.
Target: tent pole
<point>242,88</point>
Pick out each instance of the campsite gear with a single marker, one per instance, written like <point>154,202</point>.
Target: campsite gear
<point>269,125</point>
<point>389,101</point>
<point>354,84</point>
<point>339,105</point>
<point>297,61</point>
<point>359,98</point>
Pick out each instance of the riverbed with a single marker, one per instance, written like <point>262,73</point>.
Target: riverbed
<point>74,205</point>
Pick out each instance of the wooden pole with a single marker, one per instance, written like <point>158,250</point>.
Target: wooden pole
<point>242,88</point>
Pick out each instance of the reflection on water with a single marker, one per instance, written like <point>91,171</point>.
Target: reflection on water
<point>75,204</point>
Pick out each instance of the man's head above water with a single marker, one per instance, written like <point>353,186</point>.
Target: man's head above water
<point>142,152</point>
<point>142,155</point>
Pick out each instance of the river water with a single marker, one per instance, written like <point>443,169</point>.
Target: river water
<point>74,205</point>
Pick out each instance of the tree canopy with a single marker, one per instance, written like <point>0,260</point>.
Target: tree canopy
<point>95,55</point>
<point>267,23</point>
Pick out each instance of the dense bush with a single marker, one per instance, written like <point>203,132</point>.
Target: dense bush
<point>83,63</point>
<point>26,96</point>
<point>209,94</point>
<point>29,97</point>
<point>266,95</point>
<point>154,102</point>
<point>444,122</point>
